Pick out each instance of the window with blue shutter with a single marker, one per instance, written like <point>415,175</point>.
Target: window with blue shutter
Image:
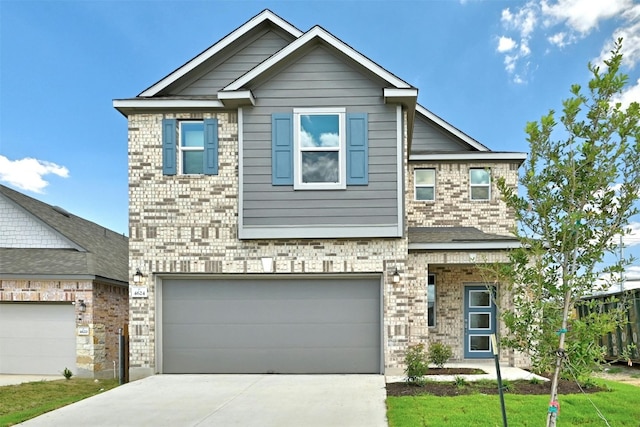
<point>357,149</point>
<point>319,148</point>
<point>190,147</point>
<point>282,149</point>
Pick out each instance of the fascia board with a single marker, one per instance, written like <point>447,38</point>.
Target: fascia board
<point>266,15</point>
<point>317,32</point>
<point>450,128</point>
<point>239,95</point>
<point>465,246</point>
<point>472,155</point>
<point>166,103</point>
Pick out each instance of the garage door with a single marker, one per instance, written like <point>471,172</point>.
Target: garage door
<point>37,338</point>
<point>271,326</point>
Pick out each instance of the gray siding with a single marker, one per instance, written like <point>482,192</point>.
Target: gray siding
<point>428,136</point>
<point>320,79</point>
<point>235,65</point>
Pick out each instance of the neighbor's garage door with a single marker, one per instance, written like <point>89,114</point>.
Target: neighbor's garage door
<point>37,338</point>
<point>271,326</point>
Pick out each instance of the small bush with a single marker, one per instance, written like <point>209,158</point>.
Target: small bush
<point>417,365</point>
<point>67,373</point>
<point>507,386</point>
<point>439,354</point>
<point>459,381</point>
<point>535,380</point>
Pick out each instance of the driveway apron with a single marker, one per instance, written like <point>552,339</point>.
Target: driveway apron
<point>231,400</point>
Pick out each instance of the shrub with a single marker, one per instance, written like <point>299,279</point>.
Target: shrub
<point>535,380</point>
<point>416,362</point>
<point>67,373</point>
<point>459,381</point>
<point>439,354</point>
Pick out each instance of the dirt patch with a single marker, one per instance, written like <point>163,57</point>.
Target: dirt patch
<point>621,372</point>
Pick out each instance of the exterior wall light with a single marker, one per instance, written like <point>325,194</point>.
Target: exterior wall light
<point>82,307</point>
<point>137,277</point>
<point>396,276</point>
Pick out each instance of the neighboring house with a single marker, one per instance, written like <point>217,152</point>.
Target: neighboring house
<point>294,210</point>
<point>63,290</point>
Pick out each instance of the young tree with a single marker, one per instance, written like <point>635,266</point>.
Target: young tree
<point>582,182</point>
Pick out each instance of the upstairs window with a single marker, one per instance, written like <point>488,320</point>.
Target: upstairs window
<point>190,147</point>
<point>425,184</point>
<point>480,184</point>
<point>319,144</point>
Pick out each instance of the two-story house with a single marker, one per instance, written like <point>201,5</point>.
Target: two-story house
<point>294,210</point>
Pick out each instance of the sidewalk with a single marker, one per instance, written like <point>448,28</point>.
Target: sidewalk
<point>507,372</point>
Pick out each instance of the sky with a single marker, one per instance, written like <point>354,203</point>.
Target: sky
<point>485,66</point>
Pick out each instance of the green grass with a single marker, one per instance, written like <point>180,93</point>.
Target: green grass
<point>620,406</point>
<point>21,402</point>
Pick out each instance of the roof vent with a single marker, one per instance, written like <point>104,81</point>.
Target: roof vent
<point>61,211</point>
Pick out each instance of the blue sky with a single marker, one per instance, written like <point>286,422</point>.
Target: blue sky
<point>487,67</point>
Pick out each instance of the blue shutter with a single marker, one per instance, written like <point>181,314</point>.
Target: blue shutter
<point>357,149</point>
<point>210,147</point>
<point>282,149</point>
<point>169,147</point>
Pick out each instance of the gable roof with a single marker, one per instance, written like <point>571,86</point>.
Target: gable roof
<point>266,16</point>
<point>96,251</point>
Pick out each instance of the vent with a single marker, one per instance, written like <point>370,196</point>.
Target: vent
<point>61,211</point>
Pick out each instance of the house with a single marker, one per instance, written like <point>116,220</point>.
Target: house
<point>293,209</point>
<point>63,290</point>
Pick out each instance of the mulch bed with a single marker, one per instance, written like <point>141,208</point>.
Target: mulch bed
<point>449,388</point>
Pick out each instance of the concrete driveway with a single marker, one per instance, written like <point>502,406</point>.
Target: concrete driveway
<point>231,400</point>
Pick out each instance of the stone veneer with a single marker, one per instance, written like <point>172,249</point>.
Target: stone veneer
<point>107,310</point>
<point>188,224</point>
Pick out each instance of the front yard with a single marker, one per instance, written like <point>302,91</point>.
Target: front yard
<point>619,404</point>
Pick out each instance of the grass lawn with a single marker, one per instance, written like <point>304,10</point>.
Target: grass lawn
<point>24,401</point>
<point>620,406</point>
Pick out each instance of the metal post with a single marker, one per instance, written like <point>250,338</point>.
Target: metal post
<point>121,355</point>
<point>496,356</point>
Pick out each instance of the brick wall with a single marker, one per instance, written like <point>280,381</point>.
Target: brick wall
<point>452,205</point>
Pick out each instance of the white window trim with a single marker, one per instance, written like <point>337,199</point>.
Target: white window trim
<point>435,301</point>
<point>416,186</point>
<point>342,150</point>
<point>472,185</point>
<point>182,149</point>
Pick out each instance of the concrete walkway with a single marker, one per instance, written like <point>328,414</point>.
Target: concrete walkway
<point>231,400</point>
<point>507,373</point>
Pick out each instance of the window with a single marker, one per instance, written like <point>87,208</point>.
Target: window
<point>425,184</point>
<point>431,300</point>
<point>190,147</point>
<point>319,140</point>
<point>480,184</point>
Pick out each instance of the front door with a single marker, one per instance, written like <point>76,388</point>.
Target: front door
<point>479,321</point>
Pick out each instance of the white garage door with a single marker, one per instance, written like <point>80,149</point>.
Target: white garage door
<point>37,338</point>
<point>271,326</point>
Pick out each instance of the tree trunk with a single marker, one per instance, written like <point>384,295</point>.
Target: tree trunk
<point>552,416</point>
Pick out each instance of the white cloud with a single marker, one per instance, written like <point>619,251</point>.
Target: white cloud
<point>505,44</point>
<point>329,140</point>
<point>632,238</point>
<point>562,23</point>
<point>27,174</point>
<point>631,94</point>
<point>582,15</point>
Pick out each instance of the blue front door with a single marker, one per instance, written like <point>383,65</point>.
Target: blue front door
<point>479,321</point>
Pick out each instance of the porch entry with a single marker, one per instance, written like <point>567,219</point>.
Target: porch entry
<point>479,321</point>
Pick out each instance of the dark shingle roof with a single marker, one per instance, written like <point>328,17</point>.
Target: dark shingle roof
<point>454,235</point>
<point>101,252</point>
